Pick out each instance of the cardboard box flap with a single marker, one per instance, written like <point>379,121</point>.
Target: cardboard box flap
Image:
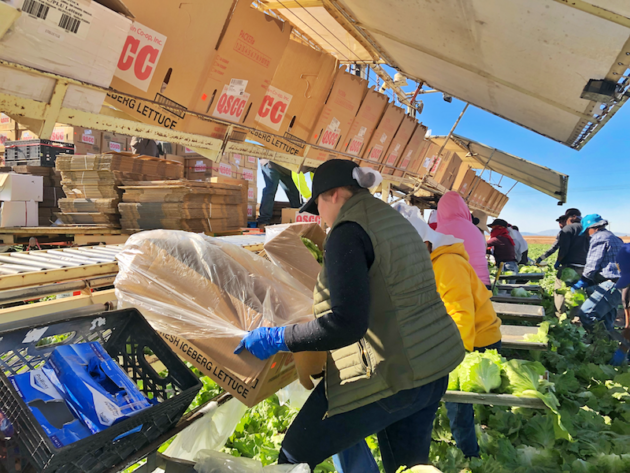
<point>285,248</point>
<point>118,6</point>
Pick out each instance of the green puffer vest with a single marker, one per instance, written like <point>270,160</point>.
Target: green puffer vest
<point>411,340</point>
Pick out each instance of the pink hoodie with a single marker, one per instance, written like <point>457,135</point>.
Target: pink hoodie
<point>453,218</point>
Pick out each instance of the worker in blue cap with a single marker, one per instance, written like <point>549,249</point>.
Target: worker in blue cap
<point>601,274</point>
<point>623,284</point>
<point>602,253</point>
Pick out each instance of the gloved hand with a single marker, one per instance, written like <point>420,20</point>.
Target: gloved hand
<point>263,342</point>
<point>538,260</point>
<point>618,357</point>
<point>556,265</point>
<point>581,284</point>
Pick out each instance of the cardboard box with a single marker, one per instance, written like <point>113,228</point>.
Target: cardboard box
<point>364,124</point>
<point>86,141</point>
<point>294,216</point>
<point>448,170</point>
<point>173,158</point>
<point>383,135</point>
<point>501,204</point>
<point>179,40</point>
<point>415,149</point>
<point>252,192</point>
<point>6,124</point>
<point>87,47</point>
<point>19,214</point>
<point>184,151</point>
<point>16,187</point>
<point>197,169</point>
<point>251,162</point>
<point>294,99</point>
<point>28,135</point>
<point>226,74</point>
<point>336,118</point>
<point>113,142</point>
<point>6,135</point>
<point>467,183</point>
<point>461,175</point>
<point>395,151</point>
<point>285,249</point>
<point>221,178</point>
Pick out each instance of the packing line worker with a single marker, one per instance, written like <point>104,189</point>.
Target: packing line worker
<point>467,301</point>
<point>601,274</point>
<point>275,175</point>
<point>521,248</point>
<point>623,285</point>
<point>503,245</point>
<point>572,251</point>
<point>454,218</point>
<point>562,221</point>
<point>390,342</point>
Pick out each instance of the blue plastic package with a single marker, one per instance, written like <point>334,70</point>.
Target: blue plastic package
<point>95,387</point>
<point>49,408</point>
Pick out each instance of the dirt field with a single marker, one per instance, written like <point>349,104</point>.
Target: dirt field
<point>548,240</point>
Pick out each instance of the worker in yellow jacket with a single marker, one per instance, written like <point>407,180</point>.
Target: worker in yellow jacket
<point>467,301</point>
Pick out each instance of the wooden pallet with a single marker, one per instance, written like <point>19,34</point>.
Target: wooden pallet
<point>513,337</point>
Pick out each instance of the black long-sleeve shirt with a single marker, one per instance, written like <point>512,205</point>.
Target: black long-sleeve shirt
<point>573,247</point>
<point>553,249</point>
<point>348,257</point>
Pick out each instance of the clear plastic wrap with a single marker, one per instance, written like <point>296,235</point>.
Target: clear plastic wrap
<point>208,292</point>
<point>209,461</point>
<point>208,433</point>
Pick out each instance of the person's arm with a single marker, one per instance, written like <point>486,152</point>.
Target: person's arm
<point>348,257</point>
<point>596,253</point>
<point>493,242</point>
<point>551,250</point>
<point>456,293</point>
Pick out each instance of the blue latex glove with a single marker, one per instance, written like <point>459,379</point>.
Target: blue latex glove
<point>618,357</point>
<point>263,342</point>
<point>556,265</point>
<point>581,284</point>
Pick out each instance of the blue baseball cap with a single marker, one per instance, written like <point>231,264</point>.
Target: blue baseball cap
<point>592,220</point>
<point>623,261</point>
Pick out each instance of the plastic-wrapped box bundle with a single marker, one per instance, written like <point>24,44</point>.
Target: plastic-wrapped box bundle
<point>203,295</point>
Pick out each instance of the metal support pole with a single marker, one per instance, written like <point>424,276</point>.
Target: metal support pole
<point>450,133</point>
<point>511,188</point>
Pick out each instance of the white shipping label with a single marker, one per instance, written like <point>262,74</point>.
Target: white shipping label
<point>251,159</point>
<point>427,163</point>
<point>225,170</point>
<point>250,211</point>
<point>113,146</point>
<point>355,146</point>
<point>362,132</point>
<point>334,124</point>
<point>383,138</point>
<point>140,56</point>
<point>230,107</point>
<point>251,193</point>
<point>375,154</point>
<point>237,87</point>
<point>308,218</point>
<point>248,174</point>
<point>89,139</point>
<point>273,108</point>
<point>200,166</point>
<point>67,16</point>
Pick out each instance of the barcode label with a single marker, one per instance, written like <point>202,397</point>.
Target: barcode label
<point>61,18</point>
<point>69,24</point>
<point>38,10</point>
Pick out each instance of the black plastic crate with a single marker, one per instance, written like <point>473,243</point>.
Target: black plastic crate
<point>129,340</point>
<point>35,152</point>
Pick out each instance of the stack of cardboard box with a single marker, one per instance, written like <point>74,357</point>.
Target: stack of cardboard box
<point>92,183</point>
<point>20,195</point>
<point>91,142</point>
<point>52,191</point>
<point>200,207</point>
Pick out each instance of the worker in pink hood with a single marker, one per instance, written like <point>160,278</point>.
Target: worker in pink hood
<point>453,218</point>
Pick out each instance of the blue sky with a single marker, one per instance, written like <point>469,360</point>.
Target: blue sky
<point>599,174</point>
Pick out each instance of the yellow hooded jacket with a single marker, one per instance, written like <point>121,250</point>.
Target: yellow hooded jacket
<point>466,298</point>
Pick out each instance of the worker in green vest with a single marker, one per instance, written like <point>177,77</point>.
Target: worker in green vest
<point>390,342</point>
